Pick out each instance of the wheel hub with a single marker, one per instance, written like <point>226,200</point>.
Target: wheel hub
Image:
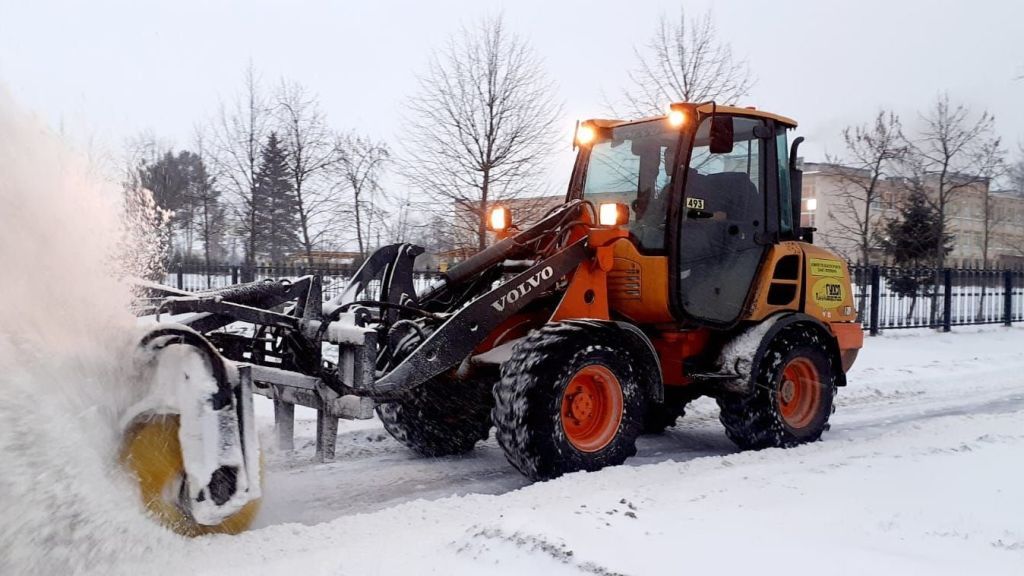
<point>592,407</point>
<point>581,406</point>
<point>799,393</point>
<point>788,391</point>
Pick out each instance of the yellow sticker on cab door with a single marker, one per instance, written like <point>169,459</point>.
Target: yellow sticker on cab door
<point>828,293</point>
<point>823,267</point>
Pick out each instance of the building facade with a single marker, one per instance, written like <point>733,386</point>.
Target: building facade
<point>834,202</point>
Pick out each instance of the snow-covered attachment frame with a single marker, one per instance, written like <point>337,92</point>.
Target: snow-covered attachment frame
<point>381,338</point>
<point>282,347</point>
<point>212,399</point>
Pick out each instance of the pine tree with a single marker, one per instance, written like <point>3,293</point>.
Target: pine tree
<point>912,240</point>
<point>173,179</point>
<point>277,204</point>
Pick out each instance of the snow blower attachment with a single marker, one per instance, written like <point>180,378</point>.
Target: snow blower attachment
<point>675,268</point>
<point>191,440</point>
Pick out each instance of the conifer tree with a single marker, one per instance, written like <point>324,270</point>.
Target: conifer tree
<point>912,240</point>
<point>277,204</point>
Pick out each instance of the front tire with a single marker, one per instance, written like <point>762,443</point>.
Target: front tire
<point>794,386</point>
<point>570,398</point>
<point>442,417</point>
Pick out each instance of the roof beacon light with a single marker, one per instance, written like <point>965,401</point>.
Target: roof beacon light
<point>676,118</point>
<point>585,134</point>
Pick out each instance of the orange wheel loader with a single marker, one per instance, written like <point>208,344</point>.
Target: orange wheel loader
<point>675,268</point>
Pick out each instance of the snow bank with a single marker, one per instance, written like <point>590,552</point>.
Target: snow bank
<point>64,335</point>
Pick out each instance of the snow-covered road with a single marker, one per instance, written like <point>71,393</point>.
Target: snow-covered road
<point>921,472</point>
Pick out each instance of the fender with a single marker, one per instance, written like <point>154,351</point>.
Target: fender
<point>642,344</point>
<point>736,361</point>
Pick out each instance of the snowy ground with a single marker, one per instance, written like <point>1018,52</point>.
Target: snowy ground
<point>921,473</point>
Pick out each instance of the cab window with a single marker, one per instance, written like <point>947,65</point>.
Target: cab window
<point>633,167</point>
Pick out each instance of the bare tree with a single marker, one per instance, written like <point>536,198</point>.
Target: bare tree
<point>993,166</point>
<point>481,126</point>
<point>992,216</point>
<point>311,154</point>
<point>685,61</point>
<point>403,224</point>
<point>239,133</point>
<point>1015,172</point>
<point>953,152</point>
<point>872,150</point>
<point>210,212</point>
<point>360,165</point>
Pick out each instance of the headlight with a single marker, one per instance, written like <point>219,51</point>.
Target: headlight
<point>612,214</point>
<point>499,219</point>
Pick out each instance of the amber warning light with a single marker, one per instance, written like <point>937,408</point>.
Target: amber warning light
<point>585,134</point>
<point>676,118</point>
<point>500,219</point>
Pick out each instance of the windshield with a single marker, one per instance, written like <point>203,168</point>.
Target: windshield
<point>633,167</point>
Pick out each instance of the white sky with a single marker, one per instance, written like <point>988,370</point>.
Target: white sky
<point>107,70</point>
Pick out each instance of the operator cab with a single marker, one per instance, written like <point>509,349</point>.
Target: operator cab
<point>708,187</point>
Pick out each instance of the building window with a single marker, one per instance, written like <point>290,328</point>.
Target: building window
<point>808,207</point>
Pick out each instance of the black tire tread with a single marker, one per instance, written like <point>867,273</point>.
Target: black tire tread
<point>442,417</point>
<point>752,420</point>
<point>530,385</point>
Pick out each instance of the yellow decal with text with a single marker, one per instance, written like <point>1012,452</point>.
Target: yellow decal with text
<point>695,203</point>
<point>828,293</point>
<point>822,267</point>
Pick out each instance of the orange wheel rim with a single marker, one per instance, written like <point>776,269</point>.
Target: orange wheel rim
<point>591,408</point>
<point>799,392</point>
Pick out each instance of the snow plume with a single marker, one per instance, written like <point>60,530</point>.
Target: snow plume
<point>65,337</point>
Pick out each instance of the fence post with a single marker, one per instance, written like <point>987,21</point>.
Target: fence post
<point>1007,298</point>
<point>875,282</point>
<point>181,277</point>
<point>234,274</point>
<point>947,300</point>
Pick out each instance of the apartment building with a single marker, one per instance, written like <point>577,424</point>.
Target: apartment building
<point>833,202</point>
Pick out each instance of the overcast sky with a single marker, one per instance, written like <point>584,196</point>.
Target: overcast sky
<point>106,70</point>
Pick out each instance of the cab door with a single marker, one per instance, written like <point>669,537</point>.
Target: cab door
<point>723,221</point>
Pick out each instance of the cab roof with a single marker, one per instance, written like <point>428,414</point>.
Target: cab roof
<point>706,108</point>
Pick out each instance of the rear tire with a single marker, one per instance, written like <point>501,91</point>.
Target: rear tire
<point>794,386</point>
<point>442,417</point>
<point>570,398</point>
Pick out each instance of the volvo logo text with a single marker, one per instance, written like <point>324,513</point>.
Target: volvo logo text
<point>523,289</point>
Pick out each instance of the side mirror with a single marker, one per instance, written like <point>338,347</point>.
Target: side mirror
<point>721,135</point>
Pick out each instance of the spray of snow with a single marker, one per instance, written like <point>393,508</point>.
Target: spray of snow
<point>65,338</point>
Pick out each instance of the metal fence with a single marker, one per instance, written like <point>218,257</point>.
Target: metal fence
<point>886,297</point>
<point>196,278</point>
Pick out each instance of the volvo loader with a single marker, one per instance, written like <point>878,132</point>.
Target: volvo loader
<point>676,267</point>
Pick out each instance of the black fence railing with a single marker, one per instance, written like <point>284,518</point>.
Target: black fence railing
<point>886,297</point>
<point>196,278</point>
